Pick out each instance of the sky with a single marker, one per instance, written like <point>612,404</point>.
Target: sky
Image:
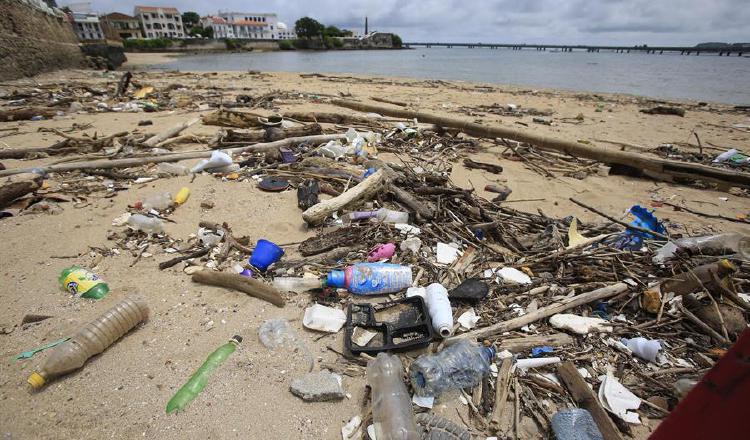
<point>596,22</point>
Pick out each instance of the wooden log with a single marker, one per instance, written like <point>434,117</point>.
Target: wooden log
<point>19,187</point>
<point>25,113</point>
<point>330,118</point>
<point>412,202</point>
<point>362,191</point>
<point>526,343</point>
<point>252,287</point>
<point>585,397</point>
<point>271,134</point>
<point>501,393</point>
<point>544,312</point>
<point>231,118</point>
<point>389,101</point>
<point>136,161</point>
<point>674,168</point>
<point>21,153</point>
<point>170,132</point>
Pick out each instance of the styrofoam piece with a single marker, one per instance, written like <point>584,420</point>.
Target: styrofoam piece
<point>324,319</point>
<point>536,362</point>
<point>513,275</point>
<point>416,291</point>
<point>468,319</point>
<point>647,349</point>
<point>579,324</point>
<point>447,254</point>
<point>618,400</point>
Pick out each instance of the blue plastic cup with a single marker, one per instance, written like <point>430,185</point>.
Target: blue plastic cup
<point>265,254</point>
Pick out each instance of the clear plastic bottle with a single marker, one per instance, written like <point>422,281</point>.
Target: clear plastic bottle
<point>149,225</point>
<point>298,285</point>
<point>392,413</point>
<point>91,340</point>
<point>390,216</point>
<point>371,278</point>
<point>158,201</point>
<point>173,169</point>
<point>721,244</point>
<point>461,365</point>
<point>575,424</point>
<point>199,379</point>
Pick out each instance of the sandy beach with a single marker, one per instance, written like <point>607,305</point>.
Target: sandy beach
<point>123,392</point>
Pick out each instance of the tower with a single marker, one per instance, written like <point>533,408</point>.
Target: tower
<point>366,26</point>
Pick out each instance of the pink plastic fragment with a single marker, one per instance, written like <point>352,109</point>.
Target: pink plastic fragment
<point>381,251</point>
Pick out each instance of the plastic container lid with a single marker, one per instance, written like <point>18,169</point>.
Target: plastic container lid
<point>336,278</point>
<point>36,380</point>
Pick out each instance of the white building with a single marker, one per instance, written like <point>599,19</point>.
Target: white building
<point>85,22</point>
<point>284,33</point>
<point>158,22</point>
<point>221,26</point>
<point>252,25</point>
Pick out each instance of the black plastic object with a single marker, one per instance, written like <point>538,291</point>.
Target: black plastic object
<point>273,184</point>
<point>399,326</point>
<point>470,290</point>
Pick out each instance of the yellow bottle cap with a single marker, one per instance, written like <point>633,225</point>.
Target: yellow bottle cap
<point>36,380</point>
<point>727,265</point>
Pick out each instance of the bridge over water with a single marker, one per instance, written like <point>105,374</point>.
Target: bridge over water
<point>721,51</point>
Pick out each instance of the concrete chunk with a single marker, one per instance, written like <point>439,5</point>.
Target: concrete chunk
<point>321,386</point>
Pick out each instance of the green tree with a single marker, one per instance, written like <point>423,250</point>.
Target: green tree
<point>307,27</point>
<point>332,31</point>
<point>396,41</point>
<point>190,19</point>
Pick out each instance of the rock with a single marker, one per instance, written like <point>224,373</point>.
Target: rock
<point>472,289</point>
<point>207,204</point>
<point>321,386</point>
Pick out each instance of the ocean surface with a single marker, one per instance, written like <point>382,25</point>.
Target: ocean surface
<point>671,76</point>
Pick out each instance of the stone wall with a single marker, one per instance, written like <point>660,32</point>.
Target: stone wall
<point>33,40</point>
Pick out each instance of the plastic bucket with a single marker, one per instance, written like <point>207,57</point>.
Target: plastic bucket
<point>265,254</point>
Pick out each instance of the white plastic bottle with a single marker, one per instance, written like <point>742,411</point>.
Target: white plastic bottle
<point>149,225</point>
<point>390,216</point>
<point>439,307</point>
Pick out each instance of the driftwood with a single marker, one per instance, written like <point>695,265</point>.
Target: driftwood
<point>664,110</point>
<point>517,345</point>
<point>169,263</point>
<point>492,168</point>
<point>271,134</point>
<point>21,153</point>
<point>671,167</point>
<point>231,118</point>
<point>236,281</point>
<point>389,101</point>
<point>26,113</point>
<point>544,312</point>
<point>362,191</point>
<point>136,161</point>
<point>122,85</point>
<point>585,397</point>
<point>170,132</point>
<point>412,203</point>
<point>501,393</point>
<point>330,118</point>
<point>18,188</point>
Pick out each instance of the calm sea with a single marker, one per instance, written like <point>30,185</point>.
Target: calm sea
<point>702,78</point>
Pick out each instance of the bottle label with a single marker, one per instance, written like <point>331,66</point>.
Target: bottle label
<point>379,278</point>
<point>81,281</point>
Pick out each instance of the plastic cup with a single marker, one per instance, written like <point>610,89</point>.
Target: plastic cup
<point>265,254</point>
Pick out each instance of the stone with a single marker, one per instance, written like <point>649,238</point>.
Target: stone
<point>472,289</point>
<point>322,386</point>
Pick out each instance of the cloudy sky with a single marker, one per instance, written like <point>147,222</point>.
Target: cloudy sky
<point>626,22</point>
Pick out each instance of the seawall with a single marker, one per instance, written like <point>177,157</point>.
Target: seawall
<point>34,40</point>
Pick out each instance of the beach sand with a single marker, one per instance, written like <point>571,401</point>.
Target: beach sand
<point>123,392</point>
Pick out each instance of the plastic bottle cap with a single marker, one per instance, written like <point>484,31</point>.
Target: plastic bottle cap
<point>336,278</point>
<point>237,338</point>
<point>726,264</point>
<point>36,380</point>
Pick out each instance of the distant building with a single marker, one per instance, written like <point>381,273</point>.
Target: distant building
<point>252,25</point>
<point>119,26</point>
<point>284,33</point>
<point>160,22</point>
<point>85,22</point>
<point>373,40</point>
<point>220,26</point>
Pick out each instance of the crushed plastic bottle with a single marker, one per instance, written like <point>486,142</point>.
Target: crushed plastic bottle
<point>575,424</point>
<point>276,333</point>
<point>720,244</point>
<point>461,365</point>
<point>199,379</point>
<point>172,169</point>
<point>384,215</point>
<point>158,201</point>
<point>149,225</point>
<point>81,282</point>
<point>371,278</point>
<point>392,412</point>
<point>91,340</point>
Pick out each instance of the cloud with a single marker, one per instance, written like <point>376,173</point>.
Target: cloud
<point>626,22</point>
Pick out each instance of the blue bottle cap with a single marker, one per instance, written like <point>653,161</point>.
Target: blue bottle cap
<point>336,278</point>
<point>488,353</point>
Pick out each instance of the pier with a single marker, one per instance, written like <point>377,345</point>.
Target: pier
<point>720,51</point>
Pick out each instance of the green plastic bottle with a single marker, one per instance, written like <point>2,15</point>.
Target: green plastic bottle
<point>81,282</point>
<point>199,379</point>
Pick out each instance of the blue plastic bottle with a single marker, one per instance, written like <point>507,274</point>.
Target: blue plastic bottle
<point>371,278</point>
